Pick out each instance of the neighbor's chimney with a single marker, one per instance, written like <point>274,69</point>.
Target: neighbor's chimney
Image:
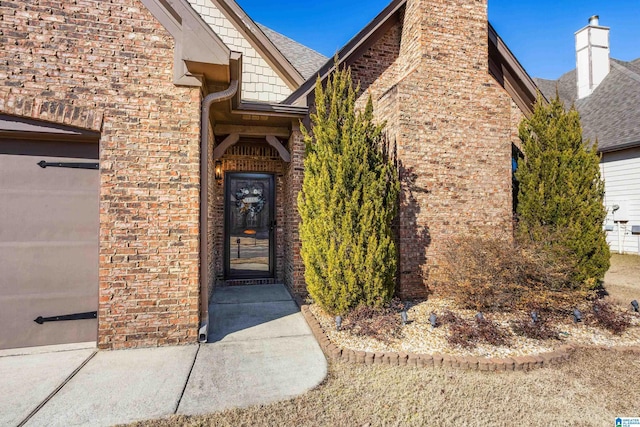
<point>592,56</point>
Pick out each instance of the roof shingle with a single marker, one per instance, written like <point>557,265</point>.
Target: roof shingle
<point>611,114</point>
<point>306,60</point>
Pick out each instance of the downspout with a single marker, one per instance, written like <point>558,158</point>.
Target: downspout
<point>204,203</point>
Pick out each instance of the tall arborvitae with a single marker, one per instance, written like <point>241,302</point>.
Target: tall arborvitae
<point>560,201</point>
<point>347,203</point>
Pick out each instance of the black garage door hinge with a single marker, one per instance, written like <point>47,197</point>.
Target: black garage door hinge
<point>44,164</point>
<point>77,316</point>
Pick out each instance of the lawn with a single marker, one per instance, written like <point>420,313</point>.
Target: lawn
<point>622,281</point>
<point>592,389</point>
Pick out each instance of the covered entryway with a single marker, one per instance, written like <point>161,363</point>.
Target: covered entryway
<point>49,226</point>
<point>255,177</point>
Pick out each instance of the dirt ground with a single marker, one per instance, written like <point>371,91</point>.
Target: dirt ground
<point>622,281</point>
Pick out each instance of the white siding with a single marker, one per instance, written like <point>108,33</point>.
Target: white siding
<point>259,81</point>
<point>621,173</point>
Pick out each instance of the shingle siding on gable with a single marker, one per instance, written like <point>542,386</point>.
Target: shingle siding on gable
<point>259,81</point>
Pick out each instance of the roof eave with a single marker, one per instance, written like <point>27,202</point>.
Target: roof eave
<point>504,67</point>
<point>278,110</point>
<point>619,147</point>
<point>197,47</point>
<point>507,70</point>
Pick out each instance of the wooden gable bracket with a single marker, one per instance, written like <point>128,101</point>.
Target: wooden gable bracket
<point>224,145</point>
<point>233,138</point>
<point>275,143</point>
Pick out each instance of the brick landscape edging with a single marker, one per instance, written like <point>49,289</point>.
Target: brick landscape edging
<point>515,363</point>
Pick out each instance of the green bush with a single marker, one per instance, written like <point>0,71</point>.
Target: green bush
<point>560,199</point>
<point>347,203</point>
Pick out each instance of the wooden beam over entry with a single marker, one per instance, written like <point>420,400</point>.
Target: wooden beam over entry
<point>235,137</point>
<point>245,130</point>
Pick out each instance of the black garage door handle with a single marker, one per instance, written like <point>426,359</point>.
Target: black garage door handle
<point>77,316</point>
<point>43,164</point>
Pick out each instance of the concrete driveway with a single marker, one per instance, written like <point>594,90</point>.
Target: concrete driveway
<point>260,350</point>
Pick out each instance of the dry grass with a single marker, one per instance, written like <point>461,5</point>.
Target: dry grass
<point>622,281</point>
<point>591,390</point>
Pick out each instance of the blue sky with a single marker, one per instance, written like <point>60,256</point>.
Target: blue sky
<point>539,32</point>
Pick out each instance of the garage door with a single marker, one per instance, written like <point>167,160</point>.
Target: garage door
<point>49,224</point>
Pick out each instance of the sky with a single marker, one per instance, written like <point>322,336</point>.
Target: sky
<point>540,33</point>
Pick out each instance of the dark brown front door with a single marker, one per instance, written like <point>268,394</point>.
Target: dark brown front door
<point>249,225</point>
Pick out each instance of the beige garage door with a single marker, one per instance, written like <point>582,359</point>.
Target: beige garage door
<point>49,222</point>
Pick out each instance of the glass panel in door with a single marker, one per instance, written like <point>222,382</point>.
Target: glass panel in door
<point>249,225</point>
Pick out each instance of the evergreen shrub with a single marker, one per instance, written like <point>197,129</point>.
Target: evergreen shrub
<point>560,200</point>
<point>347,203</point>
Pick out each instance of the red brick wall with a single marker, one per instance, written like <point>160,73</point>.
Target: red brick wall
<point>378,69</point>
<point>293,266</point>
<point>82,62</point>
<point>453,125</point>
<point>516,118</point>
<point>212,213</point>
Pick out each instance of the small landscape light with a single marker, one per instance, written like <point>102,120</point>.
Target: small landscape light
<point>338,322</point>
<point>577,316</point>
<point>479,316</point>
<point>534,317</point>
<point>634,304</point>
<point>433,319</point>
<point>404,317</point>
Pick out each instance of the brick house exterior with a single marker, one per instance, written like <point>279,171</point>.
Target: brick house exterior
<point>136,73</point>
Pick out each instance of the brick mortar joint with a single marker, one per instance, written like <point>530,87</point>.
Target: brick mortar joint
<point>515,363</point>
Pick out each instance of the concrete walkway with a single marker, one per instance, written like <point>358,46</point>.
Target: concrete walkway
<point>260,350</point>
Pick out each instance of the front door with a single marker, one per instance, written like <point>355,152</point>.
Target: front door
<point>249,225</point>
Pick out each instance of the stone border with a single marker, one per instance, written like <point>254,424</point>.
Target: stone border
<point>473,363</point>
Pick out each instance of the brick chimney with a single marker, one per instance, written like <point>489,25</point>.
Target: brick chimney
<point>452,33</point>
<point>592,57</point>
<point>453,124</point>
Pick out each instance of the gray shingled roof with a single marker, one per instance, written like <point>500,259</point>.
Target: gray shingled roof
<point>565,85</point>
<point>306,60</point>
<point>611,114</point>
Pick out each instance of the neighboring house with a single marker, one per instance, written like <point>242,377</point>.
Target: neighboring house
<point>114,198</point>
<point>606,93</point>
